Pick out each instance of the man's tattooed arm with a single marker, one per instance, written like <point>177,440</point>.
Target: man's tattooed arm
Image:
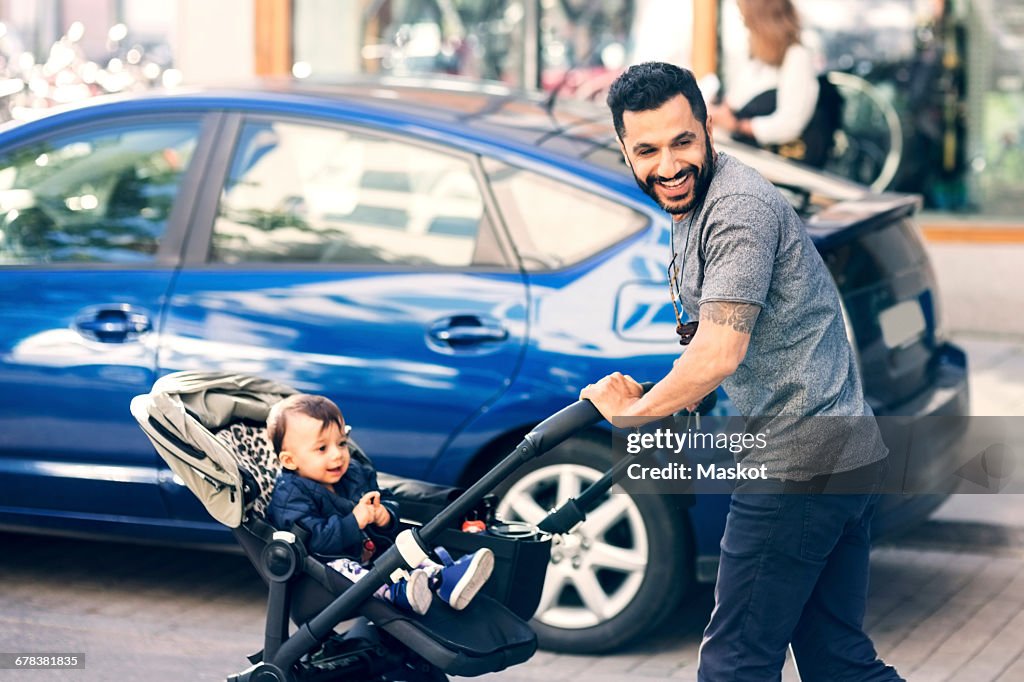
<point>739,316</point>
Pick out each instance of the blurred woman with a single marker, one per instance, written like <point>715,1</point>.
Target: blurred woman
<point>773,99</point>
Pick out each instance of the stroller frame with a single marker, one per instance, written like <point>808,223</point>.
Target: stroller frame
<point>282,560</point>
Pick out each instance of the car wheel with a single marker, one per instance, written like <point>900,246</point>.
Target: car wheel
<point>614,576</point>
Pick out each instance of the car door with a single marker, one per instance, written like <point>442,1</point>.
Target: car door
<point>357,264</point>
<point>89,241</point>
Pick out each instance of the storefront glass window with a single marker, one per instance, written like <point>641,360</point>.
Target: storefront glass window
<point>522,43</point>
<point>479,39</point>
<point>940,78</point>
<point>996,104</point>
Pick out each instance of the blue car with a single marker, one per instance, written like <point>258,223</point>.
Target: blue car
<point>451,263</point>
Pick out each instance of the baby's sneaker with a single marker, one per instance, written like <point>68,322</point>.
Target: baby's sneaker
<point>413,593</point>
<point>459,581</point>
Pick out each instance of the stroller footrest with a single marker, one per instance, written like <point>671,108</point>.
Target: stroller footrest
<point>484,637</point>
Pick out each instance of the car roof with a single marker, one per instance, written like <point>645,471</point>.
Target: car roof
<point>567,127</point>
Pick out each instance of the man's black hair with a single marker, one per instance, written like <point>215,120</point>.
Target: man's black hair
<point>645,87</point>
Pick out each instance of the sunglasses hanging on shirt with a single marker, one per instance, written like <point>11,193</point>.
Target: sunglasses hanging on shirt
<point>684,330</point>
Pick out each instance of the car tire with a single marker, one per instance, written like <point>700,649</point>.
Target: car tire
<point>589,606</point>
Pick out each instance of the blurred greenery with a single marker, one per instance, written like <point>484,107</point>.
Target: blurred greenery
<point>1001,184</point>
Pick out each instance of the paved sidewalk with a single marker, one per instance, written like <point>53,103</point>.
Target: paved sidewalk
<point>946,602</point>
<point>935,615</point>
<point>980,287</point>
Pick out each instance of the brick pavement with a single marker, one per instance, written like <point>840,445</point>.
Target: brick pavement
<point>138,613</point>
<point>936,612</point>
<point>936,615</point>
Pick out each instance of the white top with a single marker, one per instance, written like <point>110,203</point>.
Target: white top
<point>796,83</point>
<point>656,34</point>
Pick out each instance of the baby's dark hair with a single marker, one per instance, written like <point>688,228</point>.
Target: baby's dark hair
<point>647,86</point>
<point>315,406</point>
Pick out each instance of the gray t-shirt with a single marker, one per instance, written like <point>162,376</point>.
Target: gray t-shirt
<point>745,243</point>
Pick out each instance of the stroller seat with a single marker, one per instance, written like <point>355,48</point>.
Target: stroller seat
<point>210,429</point>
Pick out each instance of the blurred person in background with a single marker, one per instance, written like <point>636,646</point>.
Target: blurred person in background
<point>773,102</point>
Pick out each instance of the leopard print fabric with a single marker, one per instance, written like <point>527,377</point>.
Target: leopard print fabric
<point>253,453</point>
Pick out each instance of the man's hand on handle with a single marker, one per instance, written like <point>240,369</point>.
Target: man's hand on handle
<point>613,396</point>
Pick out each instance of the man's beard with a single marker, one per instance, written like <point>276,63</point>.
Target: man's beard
<point>701,182</point>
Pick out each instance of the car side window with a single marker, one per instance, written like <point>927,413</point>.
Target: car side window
<point>555,224</point>
<point>99,196</point>
<point>304,193</point>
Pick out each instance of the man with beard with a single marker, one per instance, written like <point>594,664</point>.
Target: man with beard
<point>794,564</point>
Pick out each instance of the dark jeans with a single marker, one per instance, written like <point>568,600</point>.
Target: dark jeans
<point>794,570</point>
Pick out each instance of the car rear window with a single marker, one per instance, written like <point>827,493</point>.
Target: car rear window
<point>875,257</point>
<point>555,224</point>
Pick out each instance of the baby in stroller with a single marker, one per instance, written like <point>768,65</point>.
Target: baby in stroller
<point>334,496</point>
<point>210,429</point>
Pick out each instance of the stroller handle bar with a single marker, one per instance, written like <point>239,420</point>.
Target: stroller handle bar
<point>575,509</point>
<point>567,421</point>
<point>543,438</point>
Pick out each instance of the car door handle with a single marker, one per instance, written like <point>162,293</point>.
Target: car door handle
<point>112,324</point>
<point>462,330</point>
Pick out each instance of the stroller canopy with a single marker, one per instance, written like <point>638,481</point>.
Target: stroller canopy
<point>182,414</point>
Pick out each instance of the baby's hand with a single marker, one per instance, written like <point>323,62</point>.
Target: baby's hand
<point>383,517</point>
<point>364,512</point>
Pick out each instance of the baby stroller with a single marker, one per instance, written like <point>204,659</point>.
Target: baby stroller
<point>210,429</point>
